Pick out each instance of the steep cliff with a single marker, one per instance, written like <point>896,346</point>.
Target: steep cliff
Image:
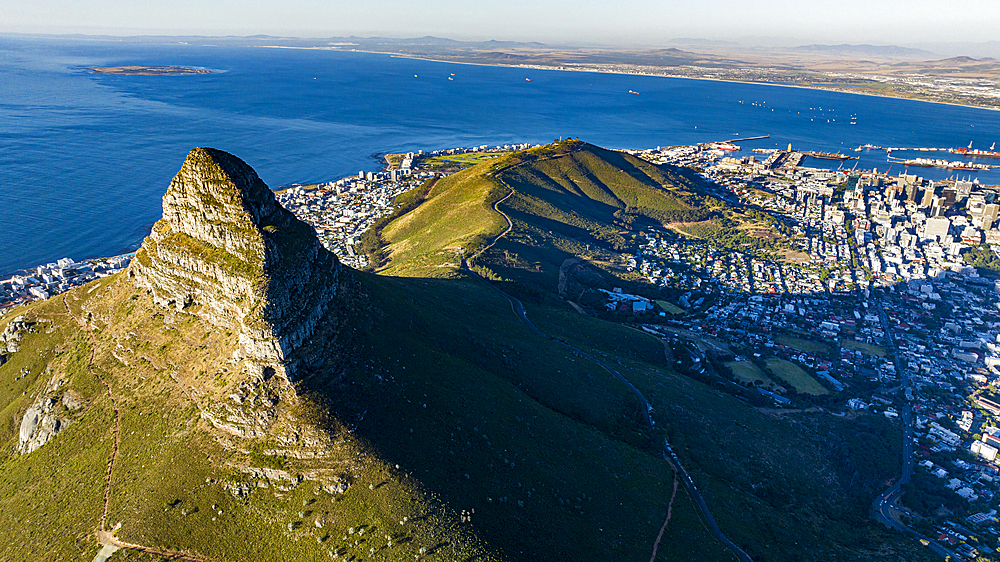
<point>228,252</point>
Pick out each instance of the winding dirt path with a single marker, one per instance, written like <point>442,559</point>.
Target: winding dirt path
<point>670,512</point>
<point>114,406</point>
<point>106,537</point>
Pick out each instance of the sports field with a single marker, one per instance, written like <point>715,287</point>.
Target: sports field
<point>795,376</point>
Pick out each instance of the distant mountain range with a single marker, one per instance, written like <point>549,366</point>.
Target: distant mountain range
<point>884,50</point>
<point>697,41</point>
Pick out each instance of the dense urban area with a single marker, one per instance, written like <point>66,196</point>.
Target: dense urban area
<point>886,302</point>
<point>859,294</point>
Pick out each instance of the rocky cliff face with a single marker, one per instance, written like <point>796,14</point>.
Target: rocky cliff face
<point>226,250</point>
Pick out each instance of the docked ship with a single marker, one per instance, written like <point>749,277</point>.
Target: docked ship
<point>830,156</point>
<point>969,151</point>
<point>969,166</point>
<point>926,163</point>
<point>725,146</point>
<point>938,163</point>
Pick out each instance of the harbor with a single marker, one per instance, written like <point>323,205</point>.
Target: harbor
<point>960,165</point>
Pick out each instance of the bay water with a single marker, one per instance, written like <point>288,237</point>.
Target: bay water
<point>85,158</point>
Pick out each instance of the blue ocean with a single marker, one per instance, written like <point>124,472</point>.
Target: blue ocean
<point>85,158</point>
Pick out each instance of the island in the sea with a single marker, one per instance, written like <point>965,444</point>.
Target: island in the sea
<point>144,70</point>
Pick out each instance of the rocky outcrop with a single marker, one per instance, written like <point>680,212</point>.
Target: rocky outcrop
<point>10,338</point>
<point>39,424</point>
<point>226,250</point>
<point>48,415</point>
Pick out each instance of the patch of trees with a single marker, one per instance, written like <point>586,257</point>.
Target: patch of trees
<point>867,454</point>
<point>676,215</point>
<point>983,257</point>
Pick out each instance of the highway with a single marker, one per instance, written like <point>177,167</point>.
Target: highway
<point>884,504</point>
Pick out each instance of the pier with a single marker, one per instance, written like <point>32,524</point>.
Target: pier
<point>746,139</point>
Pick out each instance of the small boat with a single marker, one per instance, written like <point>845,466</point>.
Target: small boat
<point>633,93</point>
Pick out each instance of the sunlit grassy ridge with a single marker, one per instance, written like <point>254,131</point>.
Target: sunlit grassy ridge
<point>570,183</point>
<point>771,480</point>
<point>172,467</point>
<point>460,433</point>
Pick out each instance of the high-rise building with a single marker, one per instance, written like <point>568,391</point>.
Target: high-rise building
<point>928,199</point>
<point>950,195</point>
<point>991,210</point>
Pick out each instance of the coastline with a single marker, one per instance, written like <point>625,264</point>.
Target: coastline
<point>599,71</point>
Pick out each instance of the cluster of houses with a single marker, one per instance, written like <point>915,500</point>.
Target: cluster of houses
<point>904,236</point>
<point>341,211</point>
<point>44,281</point>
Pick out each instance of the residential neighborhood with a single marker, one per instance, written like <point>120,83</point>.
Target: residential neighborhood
<point>890,302</point>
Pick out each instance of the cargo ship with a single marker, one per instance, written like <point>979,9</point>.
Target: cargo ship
<point>969,166</point>
<point>938,163</point>
<point>969,151</point>
<point>830,156</point>
<point>924,163</point>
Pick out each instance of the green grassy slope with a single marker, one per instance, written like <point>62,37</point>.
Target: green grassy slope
<point>793,476</point>
<point>174,473</point>
<point>459,409</point>
<point>570,187</point>
<point>794,486</point>
<point>542,444</point>
<point>459,433</point>
<point>457,213</point>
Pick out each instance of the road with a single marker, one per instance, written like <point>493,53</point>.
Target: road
<point>669,455</point>
<point>884,504</point>
<point>675,463</point>
<point>518,308</point>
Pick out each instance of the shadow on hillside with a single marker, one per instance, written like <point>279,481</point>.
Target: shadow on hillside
<point>442,379</point>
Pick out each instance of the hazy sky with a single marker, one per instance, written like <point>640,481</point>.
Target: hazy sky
<point>604,21</point>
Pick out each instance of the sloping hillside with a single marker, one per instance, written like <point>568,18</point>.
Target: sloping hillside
<point>573,188</point>
<point>794,475</point>
<point>434,429</point>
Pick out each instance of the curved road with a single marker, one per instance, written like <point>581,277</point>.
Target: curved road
<point>883,505</point>
<point>518,308</point>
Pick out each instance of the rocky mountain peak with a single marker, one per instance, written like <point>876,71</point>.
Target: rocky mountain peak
<point>227,251</point>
